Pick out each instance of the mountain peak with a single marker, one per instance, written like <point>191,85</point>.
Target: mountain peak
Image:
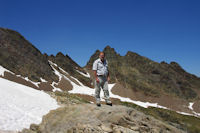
<point>130,53</point>
<point>60,54</point>
<point>109,49</point>
<point>175,64</point>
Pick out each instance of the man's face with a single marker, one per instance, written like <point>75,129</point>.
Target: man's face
<point>101,56</point>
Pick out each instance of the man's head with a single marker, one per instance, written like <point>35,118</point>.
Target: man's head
<point>101,56</point>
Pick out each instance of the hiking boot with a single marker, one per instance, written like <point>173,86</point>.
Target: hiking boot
<point>108,102</point>
<point>98,105</point>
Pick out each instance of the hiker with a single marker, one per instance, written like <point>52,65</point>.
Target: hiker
<point>101,73</point>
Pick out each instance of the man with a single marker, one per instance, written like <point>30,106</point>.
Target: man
<point>101,73</point>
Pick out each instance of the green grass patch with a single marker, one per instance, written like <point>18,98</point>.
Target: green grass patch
<point>67,98</point>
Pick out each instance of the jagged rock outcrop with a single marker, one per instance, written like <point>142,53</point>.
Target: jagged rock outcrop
<point>21,57</point>
<point>87,118</point>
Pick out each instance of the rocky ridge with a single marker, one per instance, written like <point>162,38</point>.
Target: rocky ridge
<point>21,57</point>
<point>153,79</point>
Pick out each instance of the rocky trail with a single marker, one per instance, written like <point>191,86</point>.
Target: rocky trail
<point>78,117</point>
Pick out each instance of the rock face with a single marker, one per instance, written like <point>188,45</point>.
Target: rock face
<point>87,118</point>
<point>153,79</point>
<point>21,57</point>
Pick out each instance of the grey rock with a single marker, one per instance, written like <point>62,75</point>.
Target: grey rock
<point>87,118</point>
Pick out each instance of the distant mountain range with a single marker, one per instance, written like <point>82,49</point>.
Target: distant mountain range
<point>135,77</point>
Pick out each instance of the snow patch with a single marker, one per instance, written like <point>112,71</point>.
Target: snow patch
<point>190,106</point>
<point>58,74</point>
<point>86,75</point>
<point>43,80</point>
<point>196,114</point>
<point>142,104</point>
<point>35,83</point>
<point>21,105</point>
<point>2,70</point>
<point>63,71</point>
<point>80,89</point>
<point>183,113</point>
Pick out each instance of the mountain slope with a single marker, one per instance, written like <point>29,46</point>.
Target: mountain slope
<point>140,78</point>
<point>21,57</point>
<point>67,64</point>
<point>142,74</point>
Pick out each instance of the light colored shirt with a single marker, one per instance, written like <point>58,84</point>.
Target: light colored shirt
<point>100,67</point>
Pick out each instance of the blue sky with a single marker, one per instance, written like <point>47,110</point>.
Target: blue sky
<point>162,30</point>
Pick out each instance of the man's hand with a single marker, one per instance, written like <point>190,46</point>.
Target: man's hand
<point>97,79</point>
<point>108,78</point>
